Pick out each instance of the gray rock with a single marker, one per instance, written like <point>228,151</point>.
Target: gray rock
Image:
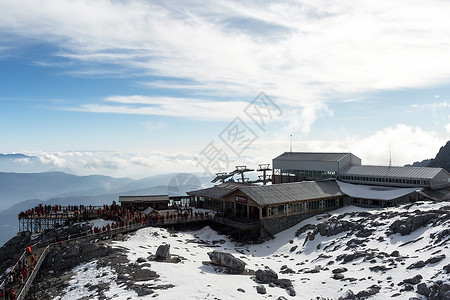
<point>261,289</point>
<point>291,291</point>
<point>287,271</point>
<point>435,259</point>
<point>142,291</point>
<point>272,274</point>
<point>163,252</point>
<point>447,268</point>
<point>339,270</point>
<point>349,295</point>
<point>423,289</point>
<point>414,280</point>
<point>338,276</point>
<point>283,283</point>
<point>440,290</point>
<point>227,260</point>
<point>141,260</point>
<point>241,290</point>
<point>262,276</point>
<point>412,223</point>
<point>370,291</point>
<point>417,265</point>
<point>282,298</point>
<point>266,276</point>
<point>395,253</point>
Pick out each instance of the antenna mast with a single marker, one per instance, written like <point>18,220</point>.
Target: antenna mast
<point>390,156</point>
<point>291,144</point>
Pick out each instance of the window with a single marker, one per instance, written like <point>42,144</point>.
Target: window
<point>312,205</point>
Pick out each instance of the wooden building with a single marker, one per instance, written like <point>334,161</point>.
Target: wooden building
<point>265,202</point>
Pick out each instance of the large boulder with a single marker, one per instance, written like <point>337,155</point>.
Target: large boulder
<point>414,280</point>
<point>413,222</point>
<point>266,276</point>
<point>227,260</point>
<point>435,259</point>
<point>423,289</point>
<point>163,252</point>
<point>370,291</point>
<point>261,289</point>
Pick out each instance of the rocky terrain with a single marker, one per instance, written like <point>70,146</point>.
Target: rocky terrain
<point>351,253</point>
<point>442,159</point>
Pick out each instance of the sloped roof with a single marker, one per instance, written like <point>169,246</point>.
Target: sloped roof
<point>311,156</point>
<point>151,198</point>
<point>437,194</point>
<point>295,191</point>
<point>217,191</point>
<point>374,192</point>
<point>394,172</point>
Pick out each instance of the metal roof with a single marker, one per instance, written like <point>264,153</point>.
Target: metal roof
<point>374,192</point>
<point>151,198</point>
<point>290,192</point>
<point>217,191</point>
<point>311,156</point>
<point>437,194</point>
<point>394,172</point>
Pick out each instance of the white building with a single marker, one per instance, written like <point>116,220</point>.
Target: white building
<point>300,166</point>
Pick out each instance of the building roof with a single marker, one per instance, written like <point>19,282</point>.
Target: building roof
<point>218,191</point>
<point>150,198</point>
<point>437,194</point>
<point>289,192</point>
<point>311,156</point>
<point>374,192</point>
<point>394,172</point>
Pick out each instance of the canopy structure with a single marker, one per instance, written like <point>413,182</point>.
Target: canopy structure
<point>374,192</point>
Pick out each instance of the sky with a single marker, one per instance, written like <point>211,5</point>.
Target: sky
<point>136,88</point>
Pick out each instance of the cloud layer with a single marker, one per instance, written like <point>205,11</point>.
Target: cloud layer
<point>305,54</point>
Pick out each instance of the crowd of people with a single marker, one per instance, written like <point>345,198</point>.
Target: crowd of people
<point>18,275</point>
<point>119,216</point>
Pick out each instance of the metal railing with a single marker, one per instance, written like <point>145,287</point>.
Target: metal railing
<point>29,281</point>
<point>3,284</point>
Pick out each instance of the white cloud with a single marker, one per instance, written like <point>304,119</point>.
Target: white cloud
<point>113,163</point>
<point>305,53</point>
<point>52,159</point>
<point>447,127</point>
<point>407,144</point>
<point>167,106</point>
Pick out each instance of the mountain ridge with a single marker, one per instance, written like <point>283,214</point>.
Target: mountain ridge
<point>441,160</point>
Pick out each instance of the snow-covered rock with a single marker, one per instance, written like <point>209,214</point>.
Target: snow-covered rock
<point>372,256</point>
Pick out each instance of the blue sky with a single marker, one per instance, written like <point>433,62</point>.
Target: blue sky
<point>135,88</point>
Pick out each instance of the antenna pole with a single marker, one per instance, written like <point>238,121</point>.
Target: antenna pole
<point>291,144</point>
<point>390,156</point>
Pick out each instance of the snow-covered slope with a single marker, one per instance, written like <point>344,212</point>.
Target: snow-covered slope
<point>365,247</point>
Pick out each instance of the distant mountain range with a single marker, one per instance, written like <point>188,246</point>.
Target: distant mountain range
<point>442,159</point>
<point>16,156</point>
<point>22,163</point>
<point>16,187</point>
<point>21,191</point>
